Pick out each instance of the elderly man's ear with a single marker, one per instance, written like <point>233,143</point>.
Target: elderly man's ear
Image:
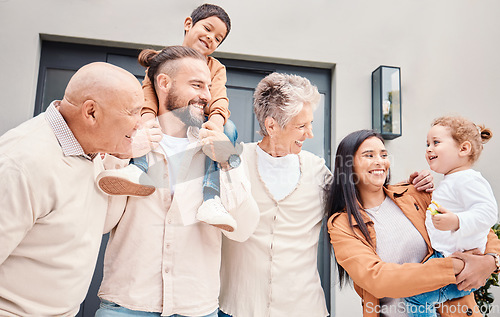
<point>163,82</point>
<point>89,111</point>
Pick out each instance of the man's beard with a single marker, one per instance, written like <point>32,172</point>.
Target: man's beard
<point>187,114</point>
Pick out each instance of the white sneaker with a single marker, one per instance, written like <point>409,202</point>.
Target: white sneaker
<point>213,212</point>
<point>129,181</point>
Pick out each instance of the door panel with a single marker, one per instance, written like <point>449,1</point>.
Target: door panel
<point>240,117</point>
<point>56,81</point>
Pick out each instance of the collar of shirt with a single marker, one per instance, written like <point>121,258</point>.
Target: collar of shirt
<point>69,144</point>
<point>192,136</point>
<point>287,162</point>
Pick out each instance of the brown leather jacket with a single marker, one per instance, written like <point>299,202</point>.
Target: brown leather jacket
<point>374,279</point>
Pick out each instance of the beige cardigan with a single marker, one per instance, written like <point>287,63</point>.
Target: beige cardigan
<point>274,273</point>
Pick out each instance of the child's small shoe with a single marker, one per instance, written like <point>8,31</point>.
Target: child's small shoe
<point>128,181</point>
<point>213,212</point>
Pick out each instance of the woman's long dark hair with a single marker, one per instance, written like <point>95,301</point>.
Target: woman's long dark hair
<point>342,194</point>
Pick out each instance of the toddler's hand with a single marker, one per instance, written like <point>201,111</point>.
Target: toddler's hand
<point>445,220</point>
<point>146,138</point>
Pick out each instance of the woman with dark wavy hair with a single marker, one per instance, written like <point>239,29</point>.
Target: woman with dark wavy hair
<point>379,237</point>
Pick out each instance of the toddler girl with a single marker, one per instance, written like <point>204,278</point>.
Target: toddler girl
<point>464,207</point>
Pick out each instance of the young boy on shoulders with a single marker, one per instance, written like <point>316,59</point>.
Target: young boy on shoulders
<point>206,28</point>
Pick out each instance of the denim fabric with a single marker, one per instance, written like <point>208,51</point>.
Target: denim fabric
<point>422,305</point>
<point>140,162</point>
<point>211,181</point>
<point>109,309</point>
<point>223,314</point>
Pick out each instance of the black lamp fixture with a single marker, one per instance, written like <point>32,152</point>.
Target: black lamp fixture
<point>386,101</point>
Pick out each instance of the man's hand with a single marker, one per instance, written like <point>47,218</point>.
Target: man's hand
<point>445,220</point>
<point>476,271</point>
<point>422,180</point>
<point>458,265</point>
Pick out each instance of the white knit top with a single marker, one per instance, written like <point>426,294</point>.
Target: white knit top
<point>398,241</point>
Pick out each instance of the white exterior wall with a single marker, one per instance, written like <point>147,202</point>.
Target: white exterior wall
<point>448,52</point>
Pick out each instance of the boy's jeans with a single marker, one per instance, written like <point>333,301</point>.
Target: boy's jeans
<point>211,182</point>
<point>422,305</point>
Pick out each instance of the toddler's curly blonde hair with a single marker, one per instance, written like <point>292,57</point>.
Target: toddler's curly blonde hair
<point>462,130</point>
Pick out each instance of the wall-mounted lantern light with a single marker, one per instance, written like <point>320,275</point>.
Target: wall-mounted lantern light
<point>386,101</point>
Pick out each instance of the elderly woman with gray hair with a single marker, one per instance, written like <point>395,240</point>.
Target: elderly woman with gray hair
<point>274,272</point>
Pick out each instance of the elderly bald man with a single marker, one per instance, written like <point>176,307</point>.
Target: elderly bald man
<point>51,212</point>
